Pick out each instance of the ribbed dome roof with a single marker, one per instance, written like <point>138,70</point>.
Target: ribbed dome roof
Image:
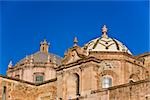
<point>41,57</point>
<point>106,44</point>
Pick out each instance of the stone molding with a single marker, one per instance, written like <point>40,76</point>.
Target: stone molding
<point>122,85</point>
<point>30,83</point>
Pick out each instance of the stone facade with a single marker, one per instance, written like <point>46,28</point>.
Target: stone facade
<point>22,90</point>
<point>40,63</point>
<point>103,69</point>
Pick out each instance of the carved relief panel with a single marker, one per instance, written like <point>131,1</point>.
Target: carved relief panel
<point>107,70</point>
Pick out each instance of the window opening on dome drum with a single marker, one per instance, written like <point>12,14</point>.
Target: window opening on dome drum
<point>106,82</point>
<point>38,77</point>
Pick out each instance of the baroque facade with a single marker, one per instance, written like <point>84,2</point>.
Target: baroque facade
<point>103,69</point>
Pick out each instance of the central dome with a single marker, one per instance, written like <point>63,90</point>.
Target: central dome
<point>106,44</point>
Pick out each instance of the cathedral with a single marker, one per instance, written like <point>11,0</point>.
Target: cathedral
<point>103,69</point>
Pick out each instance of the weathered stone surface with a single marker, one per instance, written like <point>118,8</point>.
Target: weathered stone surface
<point>96,74</point>
<point>17,90</point>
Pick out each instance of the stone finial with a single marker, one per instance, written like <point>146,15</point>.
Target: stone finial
<point>45,41</point>
<point>26,56</point>
<point>65,54</point>
<point>104,32</point>
<point>31,59</point>
<point>10,64</point>
<point>44,46</point>
<point>54,60</point>
<point>48,59</point>
<point>26,59</point>
<point>75,41</point>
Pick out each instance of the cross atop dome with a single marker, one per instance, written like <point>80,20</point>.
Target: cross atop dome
<point>104,32</point>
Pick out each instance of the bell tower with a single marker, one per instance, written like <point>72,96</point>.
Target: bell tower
<point>44,46</point>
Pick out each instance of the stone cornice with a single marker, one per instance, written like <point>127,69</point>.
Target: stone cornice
<point>112,53</point>
<point>91,58</point>
<point>78,62</point>
<point>121,86</point>
<point>121,53</point>
<point>143,55</point>
<point>136,61</point>
<point>27,65</point>
<point>22,65</point>
<point>29,83</point>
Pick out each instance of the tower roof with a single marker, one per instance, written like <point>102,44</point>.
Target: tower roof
<point>41,57</point>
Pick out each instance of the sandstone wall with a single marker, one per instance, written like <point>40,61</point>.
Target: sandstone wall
<point>139,90</point>
<point>132,91</point>
<point>20,90</point>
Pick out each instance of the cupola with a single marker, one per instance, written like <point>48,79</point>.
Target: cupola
<point>44,46</point>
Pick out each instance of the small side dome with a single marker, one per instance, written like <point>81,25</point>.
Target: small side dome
<point>106,44</point>
<point>42,56</point>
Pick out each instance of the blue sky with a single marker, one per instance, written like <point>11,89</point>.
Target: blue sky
<point>25,24</point>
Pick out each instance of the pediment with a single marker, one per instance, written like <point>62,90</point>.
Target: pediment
<point>74,54</point>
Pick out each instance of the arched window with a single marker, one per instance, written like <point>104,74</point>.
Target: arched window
<point>73,85</point>
<point>77,84</point>
<point>106,82</point>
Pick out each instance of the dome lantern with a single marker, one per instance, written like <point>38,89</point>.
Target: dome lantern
<point>44,46</point>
